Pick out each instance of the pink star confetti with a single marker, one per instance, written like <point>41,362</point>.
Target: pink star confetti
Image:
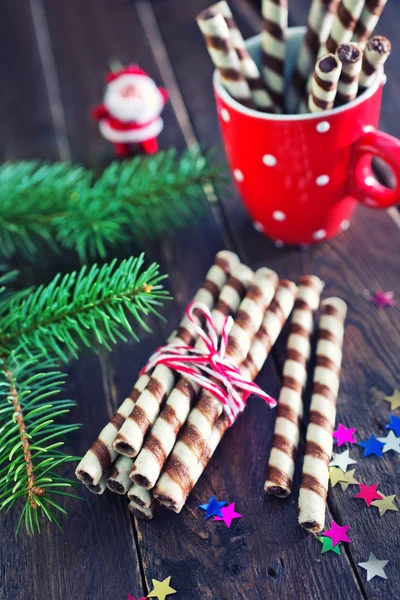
<point>382,299</point>
<point>343,435</point>
<point>338,533</point>
<point>368,493</point>
<point>228,514</point>
<point>130,597</point>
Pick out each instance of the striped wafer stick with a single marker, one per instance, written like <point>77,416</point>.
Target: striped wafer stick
<point>290,405</point>
<point>100,487</point>
<point>161,439</point>
<point>273,322</point>
<point>142,512</point>
<point>350,55</point>
<point>261,98</point>
<point>315,476</point>
<point>118,478</point>
<point>132,433</point>
<point>140,496</point>
<point>223,55</point>
<point>324,83</point>
<point>368,20</point>
<point>275,22</point>
<point>319,24</point>
<point>99,458</point>
<point>376,54</point>
<point>343,25</point>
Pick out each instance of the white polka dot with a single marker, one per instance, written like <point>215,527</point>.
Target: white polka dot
<point>225,115</point>
<point>384,79</point>
<point>345,225</point>
<point>258,226</point>
<point>269,160</point>
<point>238,175</point>
<point>322,180</point>
<point>278,215</point>
<point>323,126</point>
<point>279,243</point>
<point>369,180</point>
<point>320,234</point>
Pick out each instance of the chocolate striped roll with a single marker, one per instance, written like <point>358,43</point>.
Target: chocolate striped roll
<point>324,83</point>
<point>368,20</point>
<point>200,422</point>
<point>315,476</point>
<point>350,55</point>
<point>343,25</point>
<point>290,404</point>
<point>223,55</point>
<point>319,24</point>
<point>100,487</point>
<point>132,433</point>
<point>376,54</point>
<point>273,42</point>
<point>118,478</point>
<point>161,439</point>
<point>99,458</point>
<point>140,496</point>
<point>144,513</point>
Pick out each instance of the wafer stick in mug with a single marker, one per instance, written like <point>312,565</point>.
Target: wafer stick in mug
<point>161,439</point>
<point>223,55</point>
<point>350,55</point>
<point>273,43</point>
<point>319,24</point>
<point>173,488</point>
<point>144,513</point>
<point>324,83</point>
<point>290,404</point>
<point>118,478</point>
<point>376,54</point>
<point>343,25</point>
<point>315,475</point>
<point>132,433</point>
<point>368,20</point>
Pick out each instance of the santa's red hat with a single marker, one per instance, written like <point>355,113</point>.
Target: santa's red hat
<point>130,70</point>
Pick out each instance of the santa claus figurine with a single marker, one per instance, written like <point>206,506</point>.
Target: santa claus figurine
<point>130,115</point>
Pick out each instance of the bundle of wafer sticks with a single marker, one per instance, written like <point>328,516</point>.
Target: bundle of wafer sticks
<point>337,60</point>
<point>157,445</point>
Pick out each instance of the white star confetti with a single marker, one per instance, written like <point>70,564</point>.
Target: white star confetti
<point>342,460</point>
<point>374,567</point>
<point>391,442</point>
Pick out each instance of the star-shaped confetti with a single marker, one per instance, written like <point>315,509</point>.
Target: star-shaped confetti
<point>162,589</point>
<point>327,544</point>
<point>368,493</point>
<point>342,460</point>
<point>336,475</point>
<point>387,503</point>
<point>372,446</point>
<point>394,400</point>
<point>337,533</point>
<point>350,480</point>
<point>382,299</point>
<point>394,424</point>
<point>228,514</point>
<point>212,508</point>
<point>343,435</point>
<point>374,567</point>
<point>391,442</point>
<point>130,597</point>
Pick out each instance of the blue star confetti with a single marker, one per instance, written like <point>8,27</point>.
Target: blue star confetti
<point>213,507</point>
<point>372,446</point>
<point>394,424</point>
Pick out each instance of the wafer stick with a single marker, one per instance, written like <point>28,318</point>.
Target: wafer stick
<point>142,512</point>
<point>324,83</point>
<point>275,21</point>
<point>315,476</point>
<point>343,25</point>
<point>290,404</point>
<point>140,496</point>
<point>118,478</point>
<point>319,24</point>
<point>368,20</point>
<point>98,488</point>
<point>223,55</point>
<point>174,486</point>
<point>376,54</point>
<point>162,437</point>
<point>350,55</point>
<point>132,433</point>
<point>101,455</point>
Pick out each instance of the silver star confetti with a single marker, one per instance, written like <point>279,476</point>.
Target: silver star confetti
<point>342,460</point>
<point>374,567</point>
<point>391,442</point>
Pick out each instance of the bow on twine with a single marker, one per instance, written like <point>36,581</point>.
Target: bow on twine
<point>210,368</point>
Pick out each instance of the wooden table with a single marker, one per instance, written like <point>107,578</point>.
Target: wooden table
<point>54,56</point>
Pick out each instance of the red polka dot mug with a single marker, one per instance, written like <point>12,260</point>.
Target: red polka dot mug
<point>300,176</point>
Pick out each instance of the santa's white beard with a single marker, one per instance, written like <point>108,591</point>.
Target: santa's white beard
<point>133,109</point>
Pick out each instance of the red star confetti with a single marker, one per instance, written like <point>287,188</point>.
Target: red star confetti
<point>162,589</point>
<point>130,597</point>
<point>338,533</point>
<point>228,514</point>
<point>368,493</point>
<point>382,299</point>
<point>343,435</point>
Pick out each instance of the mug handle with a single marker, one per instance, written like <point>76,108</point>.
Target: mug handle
<point>366,188</point>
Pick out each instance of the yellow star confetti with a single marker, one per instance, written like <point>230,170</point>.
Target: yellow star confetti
<point>162,589</point>
<point>385,504</point>
<point>335,475</point>
<point>394,400</point>
<point>350,480</point>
